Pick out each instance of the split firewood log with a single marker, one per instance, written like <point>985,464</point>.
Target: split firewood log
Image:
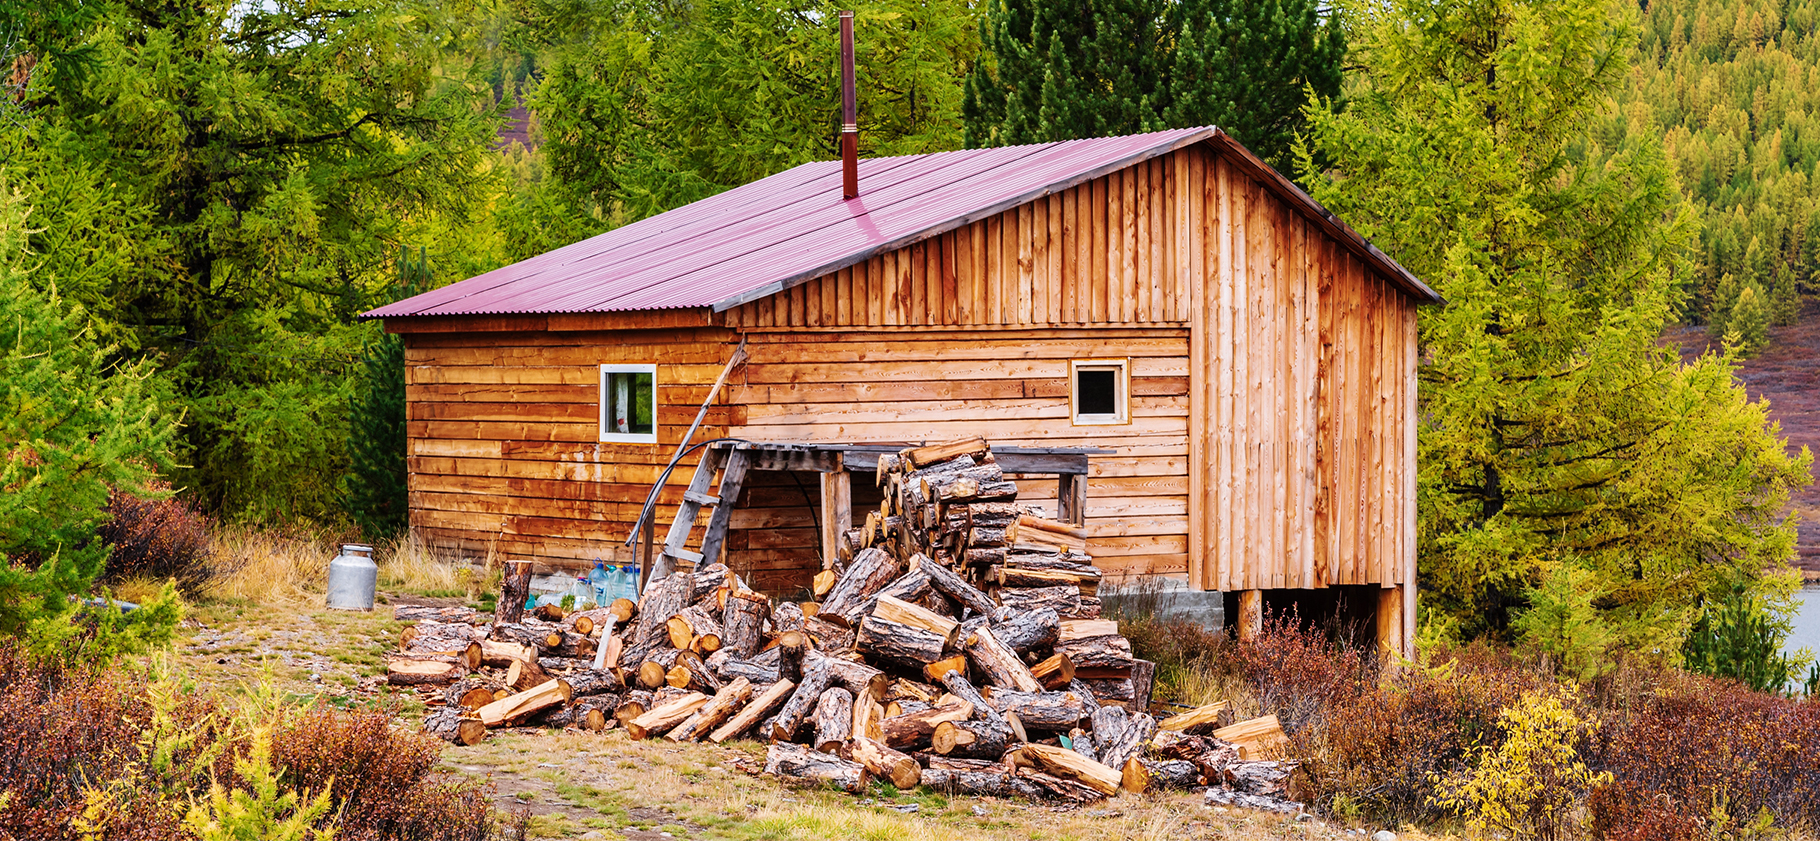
<point>454,724</point>
<point>690,673</point>
<point>833,719</point>
<point>867,713</point>
<point>743,628</point>
<point>1143,683</point>
<point>1255,738</point>
<point>662,717</point>
<point>817,677</point>
<point>913,586</point>
<point>1069,765</point>
<point>929,454</point>
<point>904,688</point>
<point>870,571</point>
<point>998,665</point>
<point>1163,775</point>
<point>662,599</point>
<point>977,739</point>
<point>1096,647</point>
<point>828,637</point>
<point>881,760</point>
<point>859,678</point>
<point>516,707</point>
<point>1082,743</point>
<point>1200,720</point>
<point>418,669</point>
<point>427,613</point>
<point>707,580</point>
<point>653,672</point>
<point>729,700</point>
<point>935,670</point>
<point>795,763</point>
<point>960,688</point>
<point>590,713</point>
<point>694,629</point>
<point>566,644</point>
<point>764,703</point>
<point>524,674</point>
<point>1054,672</point>
<point>915,730</point>
<point>823,582</point>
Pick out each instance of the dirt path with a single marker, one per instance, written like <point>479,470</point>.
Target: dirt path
<point>604,786</point>
<point>1787,373</point>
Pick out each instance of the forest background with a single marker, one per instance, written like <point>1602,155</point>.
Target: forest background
<point>202,197</point>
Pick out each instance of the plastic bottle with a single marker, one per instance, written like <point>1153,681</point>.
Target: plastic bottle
<point>631,573</point>
<point>583,593</point>
<point>600,583</point>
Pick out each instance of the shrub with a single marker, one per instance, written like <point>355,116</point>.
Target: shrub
<point>1296,673</point>
<point>1562,623</point>
<point>1736,637</point>
<point>157,536</point>
<point>1526,786</point>
<point>384,779</point>
<point>1715,751</point>
<point>1376,754</point>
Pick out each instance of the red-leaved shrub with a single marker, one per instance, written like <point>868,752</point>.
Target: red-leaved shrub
<point>1297,673</point>
<point>162,537</point>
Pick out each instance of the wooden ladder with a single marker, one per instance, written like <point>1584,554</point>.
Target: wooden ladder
<point>731,461</point>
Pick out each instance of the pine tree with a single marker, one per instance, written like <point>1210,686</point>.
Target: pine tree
<point>72,425</point>
<point>376,487</point>
<point>1058,71</point>
<point>1556,429</point>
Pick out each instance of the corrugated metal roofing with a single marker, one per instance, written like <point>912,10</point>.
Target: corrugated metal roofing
<point>766,236</point>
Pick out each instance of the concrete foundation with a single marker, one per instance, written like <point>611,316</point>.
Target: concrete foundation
<point>1168,597</point>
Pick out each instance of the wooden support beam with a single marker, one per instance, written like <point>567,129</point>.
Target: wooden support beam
<point>837,510</point>
<point>1250,621</point>
<point>1071,497</point>
<point>1390,621</point>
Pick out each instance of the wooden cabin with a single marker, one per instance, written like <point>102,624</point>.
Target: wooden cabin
<point>1187,353</point>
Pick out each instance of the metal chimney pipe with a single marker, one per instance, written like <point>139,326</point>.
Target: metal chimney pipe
<point>849,112</point>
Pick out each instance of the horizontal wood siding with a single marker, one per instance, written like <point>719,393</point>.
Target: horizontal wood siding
<point>1092,254</point>
<point>773,539</point>
<point>1305,367</point>
<point>1010,386</point>
<point>503,437</point>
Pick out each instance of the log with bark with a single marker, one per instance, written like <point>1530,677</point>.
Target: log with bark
<point>870,571</point>
<point>499,654</point>
<point>1029,631</point>
<point>1255,738</point>
<point>998,665</point>
<point>1164,775</point>
<point>959,687</point>
<point>828,637</point>
<point>867,713</point>
<point>662,599</point>
<point>729,700</point>
<point>632,705</point>
<point>1202,719</point>
<point>974,777</point>
<point>902,645</point>
<point>1069,765</point>
<point>454,724</point>
<point>795,763</point>
<point>817,677</point>
<point>950,584</point>
<point>662,717</point>
<point>743,623</point>
<point>591,682</point>
<point>763,704</point>
<point>914,730</point>
<point>514,589</point>
<point>833,718</point>
<point>419,669</point>
<point>519,706</point>
<point>859,678</point>
<point>792,646</point>
<point>882,761</point>
<point>443,637</point>
<point>786,617</point>
<point>429,613</point>
<point>1054,672</point>
<point>654,671</point>
<point>1119,734</point>
<point>1062,599</point>
<point>468,693</point>
<point>977,739</point>
<point>525,674</point>
<point>1056,712</point>
<point>694,628</point>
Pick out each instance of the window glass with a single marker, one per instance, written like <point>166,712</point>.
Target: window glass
<point>1099,391</point>
<point>628,401</point>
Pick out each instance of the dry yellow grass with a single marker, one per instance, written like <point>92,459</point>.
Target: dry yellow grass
<point>273,568</point>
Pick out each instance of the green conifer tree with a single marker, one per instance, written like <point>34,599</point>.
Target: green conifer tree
<point>72,425</point>
<point>1556,429</point>
<point>376,489</point>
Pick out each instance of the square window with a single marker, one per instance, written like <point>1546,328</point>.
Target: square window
<point>628,403</point>
<point>1101,390</point>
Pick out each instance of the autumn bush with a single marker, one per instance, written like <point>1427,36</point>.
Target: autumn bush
<point>157,536</point>
<point>91,753</point>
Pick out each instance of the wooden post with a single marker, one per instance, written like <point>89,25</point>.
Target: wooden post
<point>1390,621</point>
<point>837,510</point>
<point>1250,620</point>
<point>1071,498</point>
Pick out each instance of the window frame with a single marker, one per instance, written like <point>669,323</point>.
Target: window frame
<point>1121,394</point>
<point>608,368</point>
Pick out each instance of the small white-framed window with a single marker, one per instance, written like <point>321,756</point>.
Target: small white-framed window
<point>628,403</point>
<point>1100,391</point>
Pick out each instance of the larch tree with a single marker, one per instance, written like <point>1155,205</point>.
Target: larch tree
<point>1567,456</point>
<point>1059,71</point>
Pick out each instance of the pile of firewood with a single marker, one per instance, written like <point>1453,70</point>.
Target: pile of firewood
<point>956,643</point>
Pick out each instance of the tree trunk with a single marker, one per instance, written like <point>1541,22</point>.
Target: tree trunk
<point>833,720</point>
<point>795,763</point>
<point>762,705</point>
<point>514,588</point>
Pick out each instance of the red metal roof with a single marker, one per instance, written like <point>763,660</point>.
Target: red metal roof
<point>766,236</point>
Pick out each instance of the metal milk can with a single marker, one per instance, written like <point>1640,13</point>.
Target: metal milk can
<point>352,578</point>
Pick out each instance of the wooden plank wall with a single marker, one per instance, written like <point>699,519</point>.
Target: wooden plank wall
<point>1093,254</point>
<point>773,539</point>
<point>1009,385</point>
<point>503,429</point>
<point>1304,364</point>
